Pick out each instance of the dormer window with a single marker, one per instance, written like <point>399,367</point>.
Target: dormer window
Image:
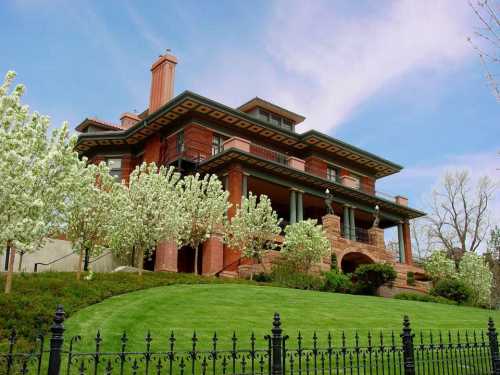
<point>276,120</point>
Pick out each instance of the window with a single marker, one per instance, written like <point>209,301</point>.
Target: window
<point>275,120</point>
<point>263,115</point>
<point>287,124</point>
<point>331,173</point>
<point>217,144</point>
<point>115,168</point>
<point>180,142</point>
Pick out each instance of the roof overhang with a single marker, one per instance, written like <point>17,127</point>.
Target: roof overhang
<point>235,155</point>
<point>189,103</point>
<point>106,126</point>
<point>261,103</point>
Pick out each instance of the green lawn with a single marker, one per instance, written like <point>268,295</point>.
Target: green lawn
<point>245,308</point>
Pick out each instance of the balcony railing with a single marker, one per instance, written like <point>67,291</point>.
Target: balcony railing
<point>268,154</point>
<point>361,234</point>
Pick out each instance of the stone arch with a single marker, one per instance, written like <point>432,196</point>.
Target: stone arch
<point>352,259</point>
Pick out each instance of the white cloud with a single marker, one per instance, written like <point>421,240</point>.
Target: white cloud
<point>325,61</point>
<point>344,60</point>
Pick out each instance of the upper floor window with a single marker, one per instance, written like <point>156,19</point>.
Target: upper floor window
<point>217,143</point>
<point>115,168</point>
<point>180,142</point>
<point>331,173</point>
<point>276,120</point>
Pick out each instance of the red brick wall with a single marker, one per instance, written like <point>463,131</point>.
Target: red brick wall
<point>368,184</point>
<point>316,166</point>
<point>198,142</point>
<point>343,172</point>
<point>152,149</point>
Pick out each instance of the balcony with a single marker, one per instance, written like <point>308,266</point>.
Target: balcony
<point>299,164</point>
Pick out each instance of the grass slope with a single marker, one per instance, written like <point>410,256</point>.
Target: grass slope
<point>246,308</point>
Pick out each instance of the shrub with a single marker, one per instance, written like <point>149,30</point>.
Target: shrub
<point>452,289</point>
<point>333,262</point>
<point>424,298</point>
<point>369,277</point>
<point>336,281</point>
<point>285,273</point>
<point>263,277</point>
<point>410,278</point>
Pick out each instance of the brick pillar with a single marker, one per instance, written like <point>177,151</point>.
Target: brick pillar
<point>235,189</point>
<point>331,226</point>
<point>152,149</point>
<point>376,236</point>
<point>407,243</point>
<point>213,255</point>
<point>166,257</point>
<point>127,167</point>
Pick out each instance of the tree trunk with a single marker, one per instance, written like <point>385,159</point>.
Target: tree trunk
<point>141,262</point>
<point>196,260</point>
<point>20,261</point>
<point>10,271</point>
<point>80,263</point>
<point>86,259</point>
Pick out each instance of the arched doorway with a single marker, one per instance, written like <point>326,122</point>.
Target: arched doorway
<point>351,261</point>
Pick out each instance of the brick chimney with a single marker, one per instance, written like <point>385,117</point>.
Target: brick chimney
<point>128,120</point>
<point>162,81</point>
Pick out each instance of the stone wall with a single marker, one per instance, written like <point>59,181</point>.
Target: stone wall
<point>55,249</point>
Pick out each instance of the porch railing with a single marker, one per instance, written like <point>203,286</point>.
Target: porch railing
<point>268,154</point>
<point>360,233</point>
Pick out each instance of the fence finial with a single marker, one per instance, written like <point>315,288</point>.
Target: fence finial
<point>56,341</point>
<point>407,338</point>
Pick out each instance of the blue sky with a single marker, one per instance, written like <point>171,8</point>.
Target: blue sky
<point>396,78</point>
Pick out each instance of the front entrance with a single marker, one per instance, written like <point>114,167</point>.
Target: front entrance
<point>185,259</point>
<point>353,260</point>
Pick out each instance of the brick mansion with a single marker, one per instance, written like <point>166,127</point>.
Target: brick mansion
<point>257,147</point>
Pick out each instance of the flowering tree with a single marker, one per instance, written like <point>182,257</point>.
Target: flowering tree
<point>36,172</point>
<point>89,208</point>
<point>147,211</point>
<point>305,243</point>
<point>438,266</point>
<point>476,274</point>
<point>254,228</point>
<point>204,204</point>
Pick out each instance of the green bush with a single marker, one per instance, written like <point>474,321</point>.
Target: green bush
<point>423,298</point>
<point>262,277</point>
<point>369,277</point>
<point>336,281</point>
<point>333,262</point>
<point>452,289</point>
<point>286,274</point>
<point>410,278</point>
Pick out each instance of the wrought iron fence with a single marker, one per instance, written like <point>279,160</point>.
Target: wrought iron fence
<point>464,353</point>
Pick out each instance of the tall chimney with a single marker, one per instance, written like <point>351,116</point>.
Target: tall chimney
<point>162,81</point>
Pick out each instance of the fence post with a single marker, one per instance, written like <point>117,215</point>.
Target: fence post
<point>276,346</point>
<point>407,338</point>
<point>493,340</point>
<point>56,341</point>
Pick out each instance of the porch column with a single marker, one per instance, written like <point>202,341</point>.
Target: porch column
<point>293,207</point>
<point>407,243</point>
<point>352,225</point>
<point>213,255</point>
<point>166,256</point>
<point>300,206</point>
<point>244,187</point>
<point>234,187</point>
<point>347,233</point>
<point>401,243</point>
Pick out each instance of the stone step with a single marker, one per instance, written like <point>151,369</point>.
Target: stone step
<point>229,274</point>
